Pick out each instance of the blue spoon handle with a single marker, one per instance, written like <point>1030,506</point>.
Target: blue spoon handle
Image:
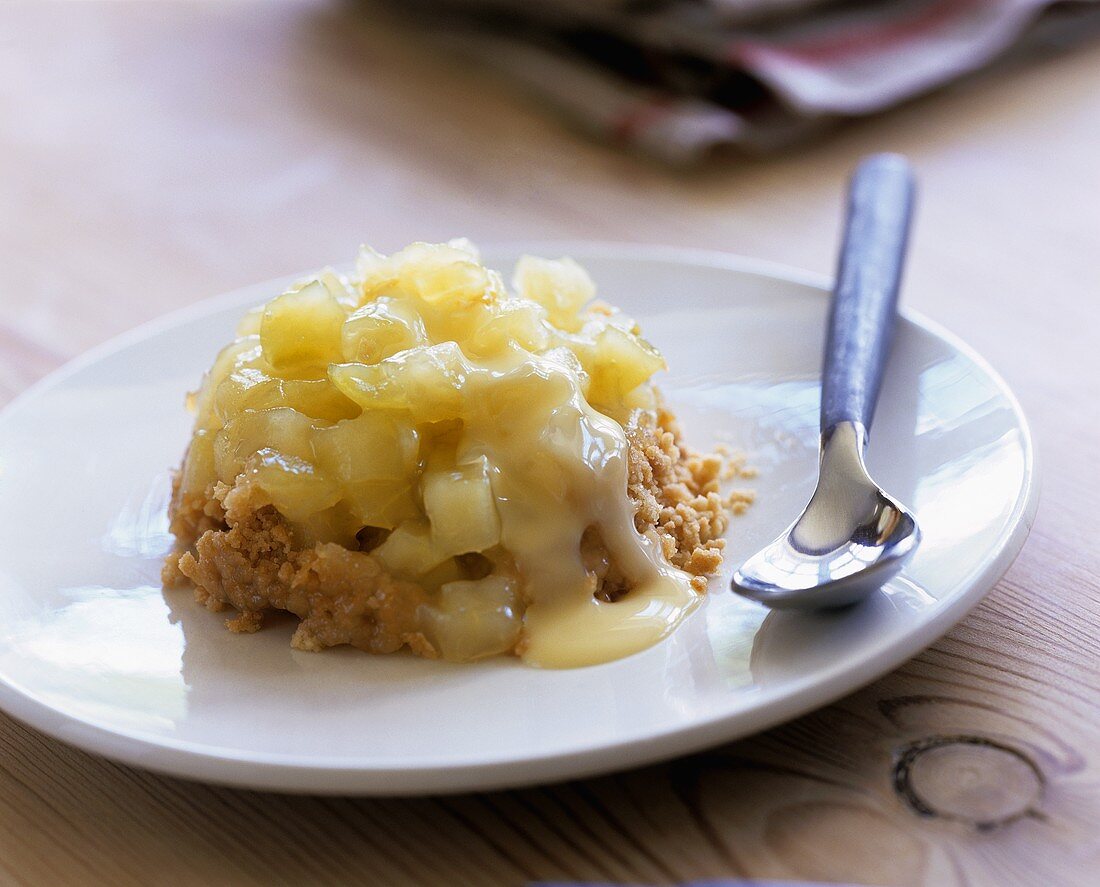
<point>864,306</point>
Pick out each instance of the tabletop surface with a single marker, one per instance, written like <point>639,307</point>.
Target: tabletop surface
<point>155,154</point>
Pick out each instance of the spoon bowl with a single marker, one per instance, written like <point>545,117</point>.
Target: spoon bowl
<point>851,539</point>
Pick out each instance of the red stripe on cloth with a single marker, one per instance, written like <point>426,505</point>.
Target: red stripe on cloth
<point>867,39</point>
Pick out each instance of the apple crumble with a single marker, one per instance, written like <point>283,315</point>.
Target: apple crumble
<point>418,457</point>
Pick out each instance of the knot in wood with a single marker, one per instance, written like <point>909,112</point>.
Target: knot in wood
<point>970,779</point>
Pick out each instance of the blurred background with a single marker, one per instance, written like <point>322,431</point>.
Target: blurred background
<point>157,153</point>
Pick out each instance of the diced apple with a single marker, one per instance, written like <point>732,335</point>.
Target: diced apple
<point>461,508</point>
<point>371,386</point>
<point>472,619</point>
<point>252,389</point>
<point>382,503</point>
<point>336,524</point>
<point>374,447</point>
<point>316,398</point>
<point>426,382</point>
<point>243,353</point>
<point>375,273</point>
<point>562,287</point>
<point>434,380</point>
<point>296,488</point>
<point>340,288</point>
<point>283,430</point>
<point>381,329</point>
<point>618,363</point>
<point>198,465</point>
<point>300,330</point>
<point>442,274</point>
<point>238,392</point>
<point>409,550</point>
<point>512,322</point>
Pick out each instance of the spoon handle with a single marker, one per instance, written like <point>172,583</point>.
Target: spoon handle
<point>864,306</point>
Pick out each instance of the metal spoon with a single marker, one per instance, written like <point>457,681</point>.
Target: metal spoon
<point>852,537</point>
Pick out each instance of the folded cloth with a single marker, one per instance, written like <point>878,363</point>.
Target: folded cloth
<point>679,78</point>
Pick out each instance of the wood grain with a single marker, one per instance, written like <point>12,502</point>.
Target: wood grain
<point>155,154</point>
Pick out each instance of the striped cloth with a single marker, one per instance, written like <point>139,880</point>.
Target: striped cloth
<point>679,78</point>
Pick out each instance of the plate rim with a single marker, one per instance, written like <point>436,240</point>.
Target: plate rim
<point>295,773</point>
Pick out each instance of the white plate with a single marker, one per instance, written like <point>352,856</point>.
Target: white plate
<point>93,652</point>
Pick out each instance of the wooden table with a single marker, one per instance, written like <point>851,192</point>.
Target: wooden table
<point>154,154</point>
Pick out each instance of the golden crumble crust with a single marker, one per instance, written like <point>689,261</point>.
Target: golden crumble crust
<point>341,596</point>
<point>677,494</point>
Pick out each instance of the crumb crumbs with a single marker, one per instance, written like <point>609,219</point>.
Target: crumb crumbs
<point>676,492</point>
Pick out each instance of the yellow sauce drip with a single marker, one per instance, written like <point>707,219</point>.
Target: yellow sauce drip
<point>558,467</point>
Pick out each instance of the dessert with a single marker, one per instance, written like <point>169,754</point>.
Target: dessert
<point>418,457</point>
